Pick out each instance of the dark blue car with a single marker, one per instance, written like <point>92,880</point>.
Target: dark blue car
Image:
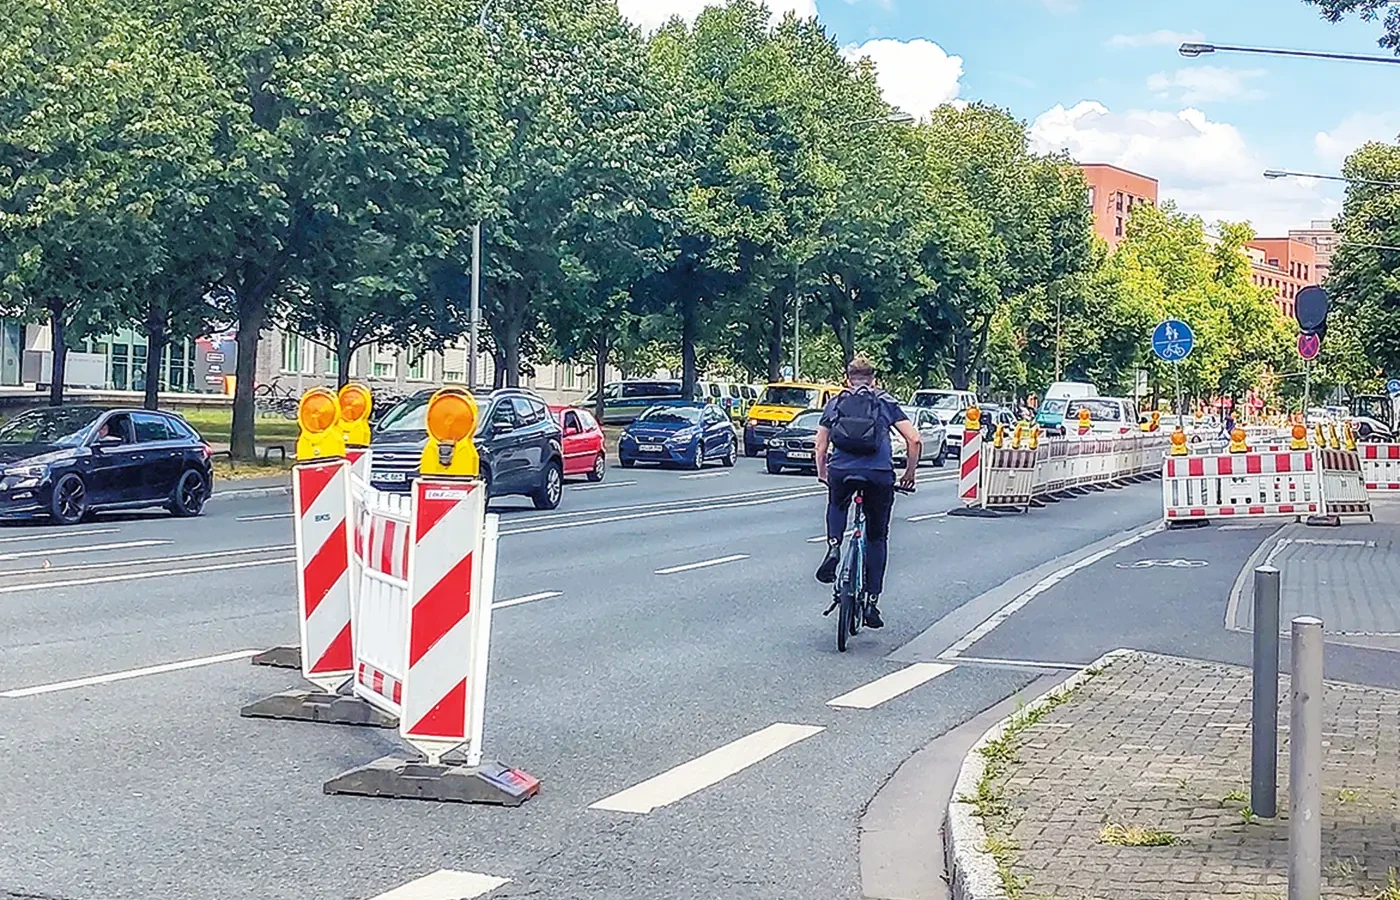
<point>679,435</point>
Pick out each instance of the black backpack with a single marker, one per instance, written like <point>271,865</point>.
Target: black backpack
<point>856,429</point>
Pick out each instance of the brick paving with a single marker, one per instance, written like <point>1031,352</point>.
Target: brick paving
<point>1160,742</point>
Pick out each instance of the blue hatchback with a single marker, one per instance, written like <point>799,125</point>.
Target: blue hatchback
<point>679,435</point>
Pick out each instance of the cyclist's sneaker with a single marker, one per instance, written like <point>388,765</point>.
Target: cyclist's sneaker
<point>872,614</point>
<point>826,572</point>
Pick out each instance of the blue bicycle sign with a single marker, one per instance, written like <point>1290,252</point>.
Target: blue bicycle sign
<point>1173,340</point>
<point>1392,387</point>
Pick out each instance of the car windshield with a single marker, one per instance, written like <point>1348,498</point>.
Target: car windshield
<point>808,420</point>
<point>64,426</point>
<point>944,402</point>
<point>1099,410</point>
<point>1055,407</point>
<point>787,395</point>
<point>671,415</point>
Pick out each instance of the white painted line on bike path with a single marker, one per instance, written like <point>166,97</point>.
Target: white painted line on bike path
<point>704,564</point>
<point>710,769</point>
<point>530,598</point>
<point>130,673</point>
<point>445,884</point>
<point>1040,587</point>
<point>869,696</point>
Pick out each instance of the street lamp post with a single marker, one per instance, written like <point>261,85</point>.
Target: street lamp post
<point>1276,174</point>
<point>474,336</point>
<point>1193,50</point>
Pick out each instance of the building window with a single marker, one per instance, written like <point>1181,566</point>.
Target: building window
<point>453,376</point>
<point>1118,228</point>
<point>418,368</point>
<point>121,366</point>
<point>1092,196</point>
<point>296,353</point>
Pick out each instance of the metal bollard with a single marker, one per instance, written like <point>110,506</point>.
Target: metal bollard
<point>1305,762</point>
<point>1263,782</point>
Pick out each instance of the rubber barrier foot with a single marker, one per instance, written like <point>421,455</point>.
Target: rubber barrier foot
<point>1325,521</point>
<point>1178,524</point>
<point>974,512</point>
<point>279,658</point>
<point>402,779</point>
<point>316,706</point>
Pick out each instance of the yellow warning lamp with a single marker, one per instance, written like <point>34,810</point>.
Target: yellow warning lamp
<point>1321,436</point>
<point>1018,435</point>
<point>1300,438</point>
<point>1035,437</point>
<point>974,419</point>
<point>1156,420</point>
<point>355,405</point>
<point>318,414</point>
<point>1348,436</point>
<point>452,415</point>
<point>1238,444</point>
<point>999,437</point>
<point>1332,440</point>
<point>1085,422</point>
<point>1179,442</point>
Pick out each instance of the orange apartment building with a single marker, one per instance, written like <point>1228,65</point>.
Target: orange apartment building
<point>1284,266</point>
<point>1113,194</point>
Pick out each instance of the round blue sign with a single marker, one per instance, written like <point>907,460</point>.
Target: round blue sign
<point>1393,386</point>
<point>1173,340</point>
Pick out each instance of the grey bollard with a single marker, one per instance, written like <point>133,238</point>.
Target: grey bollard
<point>1263,782</point>
<point>1305,763</point>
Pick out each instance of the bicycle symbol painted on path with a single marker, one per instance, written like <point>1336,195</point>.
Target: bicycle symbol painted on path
<point>1165,564</point>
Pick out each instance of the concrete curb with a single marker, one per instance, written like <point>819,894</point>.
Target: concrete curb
<point>251,493</point>
<point>972,872</point>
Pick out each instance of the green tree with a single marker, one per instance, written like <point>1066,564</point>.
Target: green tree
<point>1367,10</point>
<point>1365,277</point>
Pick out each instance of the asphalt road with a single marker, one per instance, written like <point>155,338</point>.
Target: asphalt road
<point>150,785</point>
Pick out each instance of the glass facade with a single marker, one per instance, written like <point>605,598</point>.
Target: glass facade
<point>125,351</point>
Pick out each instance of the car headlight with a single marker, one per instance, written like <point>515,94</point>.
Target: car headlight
<point>25,476</point>
<point>685,436</point>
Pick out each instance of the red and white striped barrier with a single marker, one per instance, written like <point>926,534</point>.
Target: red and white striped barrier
<point>1009,477</point>
<point>970,468</point>
<point>1380,465</point>
<point>321,501</point>
<point>1241,485</point>
<point>382,600</point>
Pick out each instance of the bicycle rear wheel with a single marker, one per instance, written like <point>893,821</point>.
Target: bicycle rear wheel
<point>848,593</point>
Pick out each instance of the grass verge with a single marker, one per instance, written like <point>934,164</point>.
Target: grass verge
<point>227,470</point>
<point>1136,836</point>
<point>216,424</point>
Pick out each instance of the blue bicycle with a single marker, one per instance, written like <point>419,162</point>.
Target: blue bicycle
<point>850,595</point>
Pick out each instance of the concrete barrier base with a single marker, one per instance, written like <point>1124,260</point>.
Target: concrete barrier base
<point>279,658</point>
<point>974,512</point>
<point>401,779</point>
<point>316,706</point>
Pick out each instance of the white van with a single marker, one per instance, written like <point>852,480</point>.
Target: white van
<point>1107,415</point>
<point>945,403</point>
<point>1051,413</point>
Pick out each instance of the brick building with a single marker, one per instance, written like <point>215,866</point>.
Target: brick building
<point>1113,194</point>
<point>1284,266</point>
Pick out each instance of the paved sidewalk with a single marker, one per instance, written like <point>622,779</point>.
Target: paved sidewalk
<point>1155,749</point>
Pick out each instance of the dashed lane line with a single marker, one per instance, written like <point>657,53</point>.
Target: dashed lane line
<point>703,771</point>
<point>52,534</point>
<point>869,696</point>
<point>128,674</point>
<point>531,598</point>
<point>703,564</point>
<point>141,576</point>
<point>267,518</point>
<point>214,554</point>
<point>704,475</point>
<point>600,487</point>
<point>86,548</point>
<point>445,884</point>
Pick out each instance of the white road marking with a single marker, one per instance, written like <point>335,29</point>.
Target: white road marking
<point>599,487</point>
<point>869,696</point>
<point>1019,663</point>
<point>821,538</point>
<point>1254,527</point>
<point>140,576</point>
<point>263,518</point>
<point>927,517</point>
<point>704,771</point>
<point>542,595</point>
<point>1039,588</point>
<point>704,475</point>
<point>218,554</point>
<point>89,548</point>
<point>702,565</point>
<point>445,884</point>
<point>53,534</point>
<point>130,673</point>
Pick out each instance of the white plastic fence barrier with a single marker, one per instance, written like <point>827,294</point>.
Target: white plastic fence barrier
<point>1380,465</point>
<point>1241,485</point>
<point>1343,486</point>
<point>382,598</point>
<point>1013,477</point>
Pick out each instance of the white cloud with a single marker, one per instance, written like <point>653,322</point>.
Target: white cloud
<point>1205,84</point>
<point>1161,38</point>
<point>916,75</point>
<point>1333,147</point>
<point>1206,167</point>
<point>652,14</point>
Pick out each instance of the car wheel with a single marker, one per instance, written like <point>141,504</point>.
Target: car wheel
<point>697,461</point>
<point>942,456</point>
<point>773,467</point>
<point>625,462</point>
<point>68,504</point>
<point>600,468</point>
<point>189,497</point>
<point>731,455</point>
<point>551,489</point>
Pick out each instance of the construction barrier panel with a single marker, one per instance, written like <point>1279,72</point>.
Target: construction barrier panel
<point>1016,478</point>
<point>1380,466</point>
<point>1343,486</point>
<point>1008,477</point>
<point>1241,485</point>
<point>382,601</point>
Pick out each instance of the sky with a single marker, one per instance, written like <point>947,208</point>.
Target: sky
<point>1103,80</point>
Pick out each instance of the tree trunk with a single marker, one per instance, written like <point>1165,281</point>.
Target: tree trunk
<point>498,373</point>
<point>958,371</point>
<point>157,336</point>
<point>689,329</point>
<point>57,327</point>
<point>252,313</point>
<point>600,373</point>
<point>775,347</point>
<point>344,354</point>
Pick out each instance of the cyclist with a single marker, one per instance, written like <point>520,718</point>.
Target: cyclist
<point>855,429</point>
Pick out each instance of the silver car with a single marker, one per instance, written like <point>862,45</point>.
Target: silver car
<point>933,435</point>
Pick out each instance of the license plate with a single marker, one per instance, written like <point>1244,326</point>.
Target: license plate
<point>390,477</point>
<point>800,454</point>
<point>650,448</point>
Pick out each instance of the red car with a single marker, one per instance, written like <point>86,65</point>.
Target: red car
<point>584,451</point>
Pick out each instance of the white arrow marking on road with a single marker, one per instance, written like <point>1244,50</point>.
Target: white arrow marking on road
<point>139,576</point>
<point>130,673</point>
<point>702,565</point>
<point>542,595</point>
<point>89,548</point>
<point>263,518</point>
<point>445,884</point>
<point>871,695</point>
<point>49,534</point>
<point>703,771</point>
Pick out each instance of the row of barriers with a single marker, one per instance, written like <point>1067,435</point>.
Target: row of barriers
<point>394,596</point>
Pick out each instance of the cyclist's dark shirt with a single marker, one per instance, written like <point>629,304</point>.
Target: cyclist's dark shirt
<point>879,466</point>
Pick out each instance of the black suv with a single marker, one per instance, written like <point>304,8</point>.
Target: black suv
<point>519,442</point>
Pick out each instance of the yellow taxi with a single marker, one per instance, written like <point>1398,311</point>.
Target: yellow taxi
<point>779,403</point>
